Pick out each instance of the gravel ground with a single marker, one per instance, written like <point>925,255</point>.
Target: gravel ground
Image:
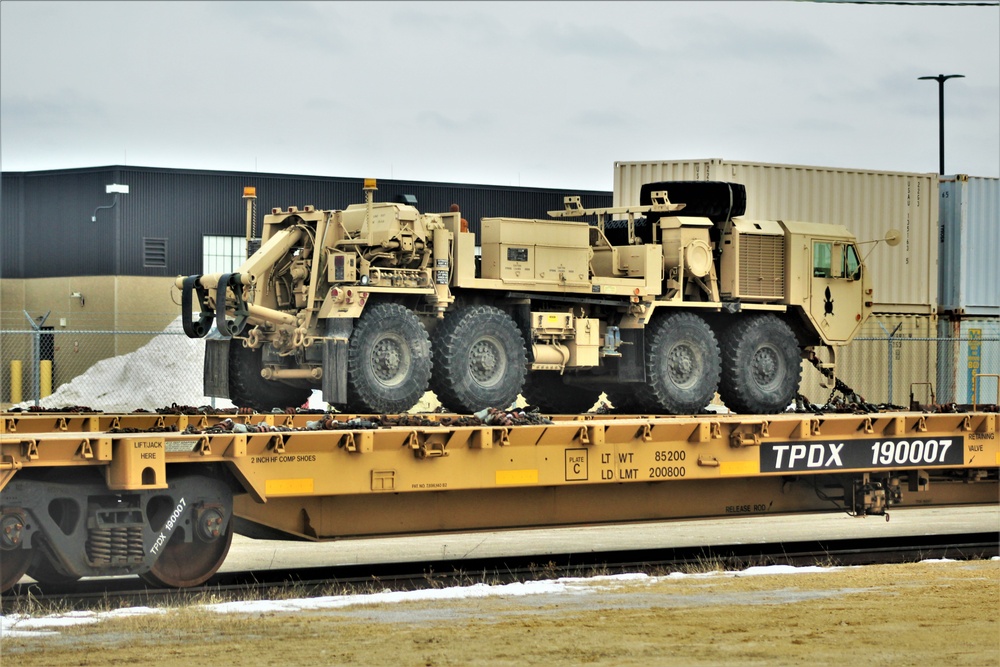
<point>930,613</point>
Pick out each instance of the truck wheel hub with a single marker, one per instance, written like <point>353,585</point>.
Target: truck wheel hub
<point>765,366</point>
<point>388,360</point>
<point>682,364</point>
<point>485,362</point>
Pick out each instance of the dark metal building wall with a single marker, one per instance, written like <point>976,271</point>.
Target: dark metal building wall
<point>52,229</point>
<point>47,232</point>
<point>11,208</point>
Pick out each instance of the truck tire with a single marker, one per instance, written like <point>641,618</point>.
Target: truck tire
<point>479,359</point>
<point>761,365</point>
<point>247,389</point>
<point>388,360</point>
<point>547,391</point>
<point>682,363</point>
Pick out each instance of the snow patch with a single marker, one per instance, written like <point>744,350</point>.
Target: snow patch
<point>21,625</point>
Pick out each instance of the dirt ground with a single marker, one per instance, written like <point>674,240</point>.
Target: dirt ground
<point>931,613</point>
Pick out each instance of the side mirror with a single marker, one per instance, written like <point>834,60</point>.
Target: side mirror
<point>893,237</point>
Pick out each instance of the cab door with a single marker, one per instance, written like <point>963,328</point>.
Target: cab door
<point>838,288</point>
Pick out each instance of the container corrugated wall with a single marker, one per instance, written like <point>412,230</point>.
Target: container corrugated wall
<point>968,346</point>
<point>970,246</point>
<point>891,355</point>
<point>869,203</point>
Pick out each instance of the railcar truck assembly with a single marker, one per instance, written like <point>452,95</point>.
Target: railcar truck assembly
<point>161,496</point>
<point>659,305</point>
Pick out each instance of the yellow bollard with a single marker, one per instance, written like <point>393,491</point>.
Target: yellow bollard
<point>45,368</point>
<point>15,381</point>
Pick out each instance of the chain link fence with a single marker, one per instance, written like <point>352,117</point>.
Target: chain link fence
<point>111,371</point>
<point>116,371</point>
<point>935,361</point>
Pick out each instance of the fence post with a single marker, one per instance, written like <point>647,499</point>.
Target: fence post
<point>36,354</point>
<point>889,339</point>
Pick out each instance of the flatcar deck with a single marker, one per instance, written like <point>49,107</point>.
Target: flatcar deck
<point>162,495</point>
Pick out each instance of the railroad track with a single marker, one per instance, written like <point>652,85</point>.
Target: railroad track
<point>347,579</point>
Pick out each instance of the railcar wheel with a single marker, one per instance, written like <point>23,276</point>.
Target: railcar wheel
<point>761,366</point>
<point>547,390</point>
<point>14,564</point>
<point>479,359</point>
<point>682,363</point>
<point>388,360</point>
<point>247,389</point>
<point>185,564</point>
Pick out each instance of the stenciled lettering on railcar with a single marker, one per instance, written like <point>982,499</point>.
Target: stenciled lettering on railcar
<point>860,454</point>
<point>168,527</point>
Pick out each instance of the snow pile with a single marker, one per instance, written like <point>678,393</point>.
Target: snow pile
<point>167,370</point>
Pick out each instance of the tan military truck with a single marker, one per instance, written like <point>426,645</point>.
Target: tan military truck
<point>659,305</point>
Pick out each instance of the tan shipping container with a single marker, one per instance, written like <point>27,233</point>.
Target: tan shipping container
<point>891,355</point>
<point>869,203</point>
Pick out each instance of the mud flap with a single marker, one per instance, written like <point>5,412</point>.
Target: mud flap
<point>216,376</point>
<point>632,363</point>
<point>334,382</point>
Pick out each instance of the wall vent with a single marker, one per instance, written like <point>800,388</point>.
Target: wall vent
<point>154,253</point>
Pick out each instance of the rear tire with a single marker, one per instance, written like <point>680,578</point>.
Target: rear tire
<point>682,363</point>
<point>247,389</point>
<point>761,366</point>
<point>388,360</point>
<point>479,359</point>
<point>547,391</point>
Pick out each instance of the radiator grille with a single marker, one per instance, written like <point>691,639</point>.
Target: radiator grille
<point>762,266</point>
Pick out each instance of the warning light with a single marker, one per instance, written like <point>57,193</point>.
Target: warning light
<point>249,191</point>
<point>369,183</point>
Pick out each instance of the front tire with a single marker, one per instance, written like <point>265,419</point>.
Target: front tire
<point>247,389</point>
<point>682,363</point>
<point>479,359</point>
<point>761,366</point>
<point>388,360</point>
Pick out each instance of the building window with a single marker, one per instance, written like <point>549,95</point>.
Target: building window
<point>222,254</point>
<point>154,253</point>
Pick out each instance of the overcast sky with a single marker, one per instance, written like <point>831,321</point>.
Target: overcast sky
<point>520,93</point>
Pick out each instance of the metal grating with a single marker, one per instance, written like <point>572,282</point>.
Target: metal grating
<point>762,266</point>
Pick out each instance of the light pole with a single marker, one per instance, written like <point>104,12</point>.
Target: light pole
<point>941,78</point>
